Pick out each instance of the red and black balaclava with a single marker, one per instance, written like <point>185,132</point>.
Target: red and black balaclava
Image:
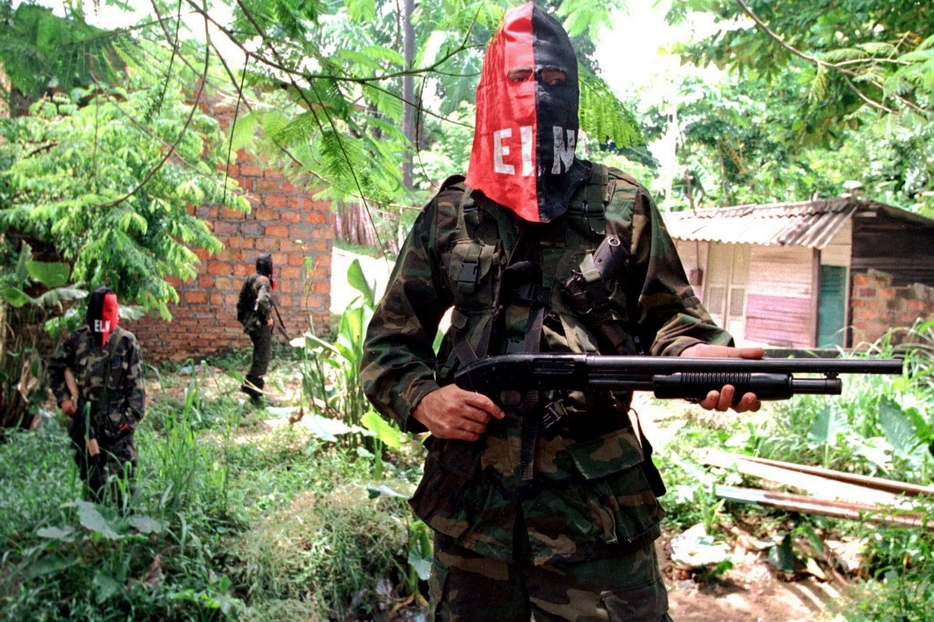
<point>264,267</point>
<point>103,314</point>
<point>526,127</point>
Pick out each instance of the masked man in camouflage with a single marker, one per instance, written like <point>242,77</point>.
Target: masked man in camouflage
<point>557,520</point>
<point>102,363</point>
<point>254,311</point>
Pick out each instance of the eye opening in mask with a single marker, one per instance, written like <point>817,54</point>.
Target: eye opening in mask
<point>519,74</point>
<point>552,76</point>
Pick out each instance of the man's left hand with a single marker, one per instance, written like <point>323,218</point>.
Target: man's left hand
<point>722,400</point>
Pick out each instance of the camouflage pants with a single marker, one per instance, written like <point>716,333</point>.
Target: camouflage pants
<point>466,587</point>
<point>262,352</point>
<point>116,463</point>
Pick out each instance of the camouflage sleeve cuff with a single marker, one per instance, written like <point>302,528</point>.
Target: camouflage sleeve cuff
<point>684,331</point>
<point>679,345</point>
<point>408,401</point>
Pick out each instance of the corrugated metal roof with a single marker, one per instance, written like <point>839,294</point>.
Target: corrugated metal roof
<point>811,223</point>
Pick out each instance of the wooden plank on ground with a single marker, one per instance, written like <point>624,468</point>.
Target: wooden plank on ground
<point>725,460</point>
<point>877,483</point>
<point>810,505</point>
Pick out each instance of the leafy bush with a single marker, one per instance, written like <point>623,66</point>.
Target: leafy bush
<point>324,549</point>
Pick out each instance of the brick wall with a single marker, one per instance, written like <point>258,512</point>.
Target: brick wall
<point>877,306</point>
<point>204,321</point>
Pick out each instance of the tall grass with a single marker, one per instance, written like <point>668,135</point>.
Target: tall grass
<point>67,559</point>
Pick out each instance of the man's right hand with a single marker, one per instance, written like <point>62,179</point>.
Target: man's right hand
<point>69,408</point>
<point>452,412</point>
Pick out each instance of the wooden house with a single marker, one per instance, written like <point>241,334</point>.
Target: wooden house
<point>810,274</point>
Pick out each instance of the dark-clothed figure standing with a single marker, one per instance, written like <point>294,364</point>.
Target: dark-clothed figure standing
<point>555,520</point>
<point>107,368</point>
<point>254,311</point>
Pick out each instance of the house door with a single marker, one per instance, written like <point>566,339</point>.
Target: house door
<point>831,306</point>
<point>727,277</point>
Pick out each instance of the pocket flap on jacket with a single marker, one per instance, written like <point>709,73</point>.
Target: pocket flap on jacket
<point>611,453</point>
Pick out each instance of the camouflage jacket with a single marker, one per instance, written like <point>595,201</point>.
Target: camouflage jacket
<point>254,307</point>
<point>588,497</point>
<point>123,373</point>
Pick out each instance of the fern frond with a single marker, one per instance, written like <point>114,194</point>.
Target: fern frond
<point>842,54</point>
<point>819,86</point>
<point>361,11</point>
<point>386,103</point>
<point>603,116</point>
<point>879,49</point>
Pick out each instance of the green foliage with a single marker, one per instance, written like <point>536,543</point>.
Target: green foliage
<point>325,548</point>
<point>852,105</point>
<point>340,393</point>
<point>88,182</point>
<point>41,52</point>
<point>605,117</point>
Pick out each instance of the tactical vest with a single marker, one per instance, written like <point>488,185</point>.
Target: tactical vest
<point>507,275</point>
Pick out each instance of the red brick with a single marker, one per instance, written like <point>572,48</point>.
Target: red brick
<point>217,299</point>
<point>198,298</point>
<point>229,254</point>
<point>296,259</point>
<point>266,186</point>
<point>232,214</point>
<point>233,170</point>
<point>205,282</point>
<point>230,228</point>
<point>288,188</point>
<point>245,183</point>
<point>290,217</point>
<point>321,288</point>
<point>173,281</point>
<point>275,200</point>
<point>866,292</point>
<point>243,270</point>
<point>218,268</point>
<point>886,292</point>
<point>297,203</point>
<point>266,214</point>
<point>289,272</point>
<point>201,253</point>
<point>230,300</point>
<point>251,170</point>
<point>316,218</point>
<point>277,231</point>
